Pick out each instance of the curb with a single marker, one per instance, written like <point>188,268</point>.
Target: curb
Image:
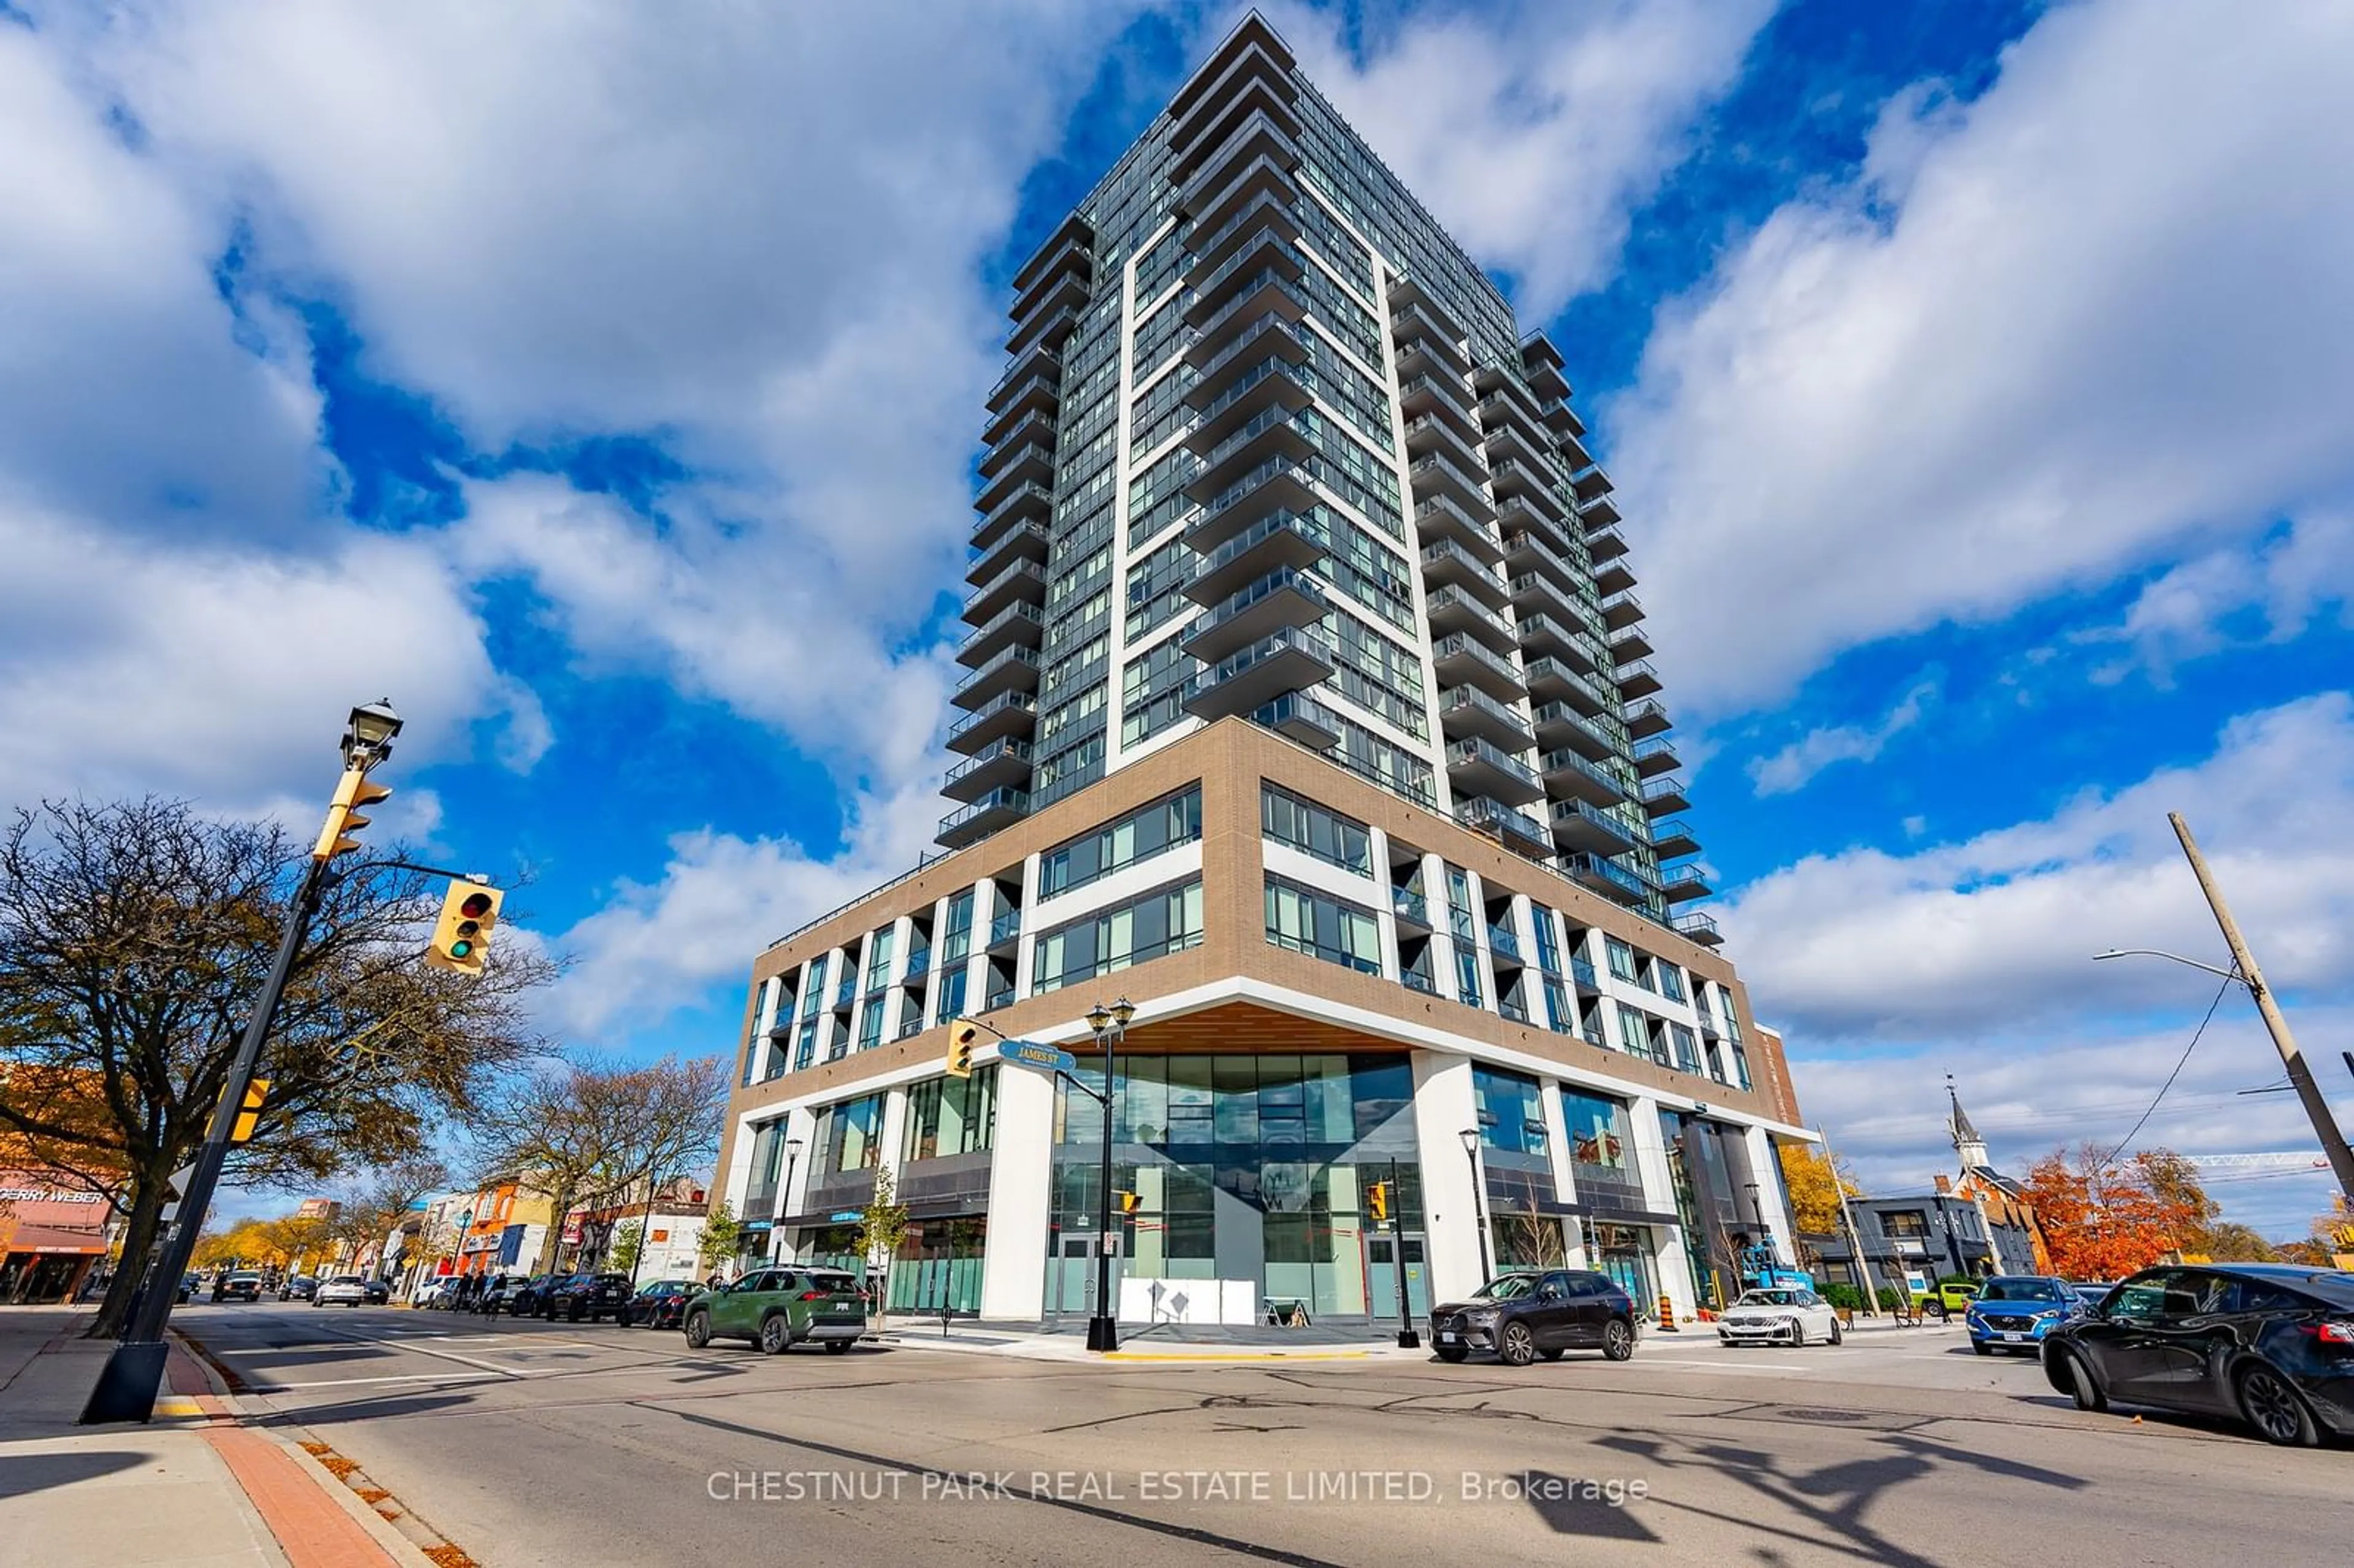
<point>396,1531</point>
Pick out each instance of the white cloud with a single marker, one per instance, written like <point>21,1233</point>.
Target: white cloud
<point>2215,601</point>
<point>2052,334</point>
<point>654,948</point>
<point>1535,132</point>
<point>1795,765</point>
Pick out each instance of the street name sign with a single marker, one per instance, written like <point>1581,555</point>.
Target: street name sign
<point>1036,1058</point>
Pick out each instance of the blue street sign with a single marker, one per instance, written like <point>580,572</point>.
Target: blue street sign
<point>844,1216</point>
<point>1038,1058</point>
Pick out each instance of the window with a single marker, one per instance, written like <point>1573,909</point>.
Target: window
<point>1467,976</point>
<point>849,1136</point>
<point>1672,982</point>
<point>1459,906</point>
<point>1511,1111</point>
<point>1322,927</point>
<point>870,1023</point>
<point>1687,1047</point>
<point>1905,1224</point>
<point>878,958</point>
<point>951,1115</point>
<point>1138,836</point>
<point>1311,830</point>
<point>952,988</point>
<point>1596,1130</point>
<point>1548,945</point>
<point>956,937</point>
<point>1635,1033</point>
<point>1622,957</point>
<point>1166,921</point>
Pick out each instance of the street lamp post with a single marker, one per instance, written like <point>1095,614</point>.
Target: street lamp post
<point>1470,1136</point>
<point>134,1368</point>
<point>784,1200</point>
<point>1110,1026</point>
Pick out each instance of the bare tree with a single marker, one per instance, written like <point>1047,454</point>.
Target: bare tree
<point>133,939</point>
<point>371,1202</point>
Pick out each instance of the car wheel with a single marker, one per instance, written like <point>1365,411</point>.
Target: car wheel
<point>1518,1347</point>
<point>621,1319</point>
<point>2081,1385</point>
<point>1798,1333</point>
<point>574,1313</point>
<point>1981,1347</point>
<point>1838,1334</point>
<point>698,1330</point>
<point>1617,1340</point>
<point>2276,1410</point>
<point>1452,1355</point>
<point>776,1336</point>
<point>837,1347</point>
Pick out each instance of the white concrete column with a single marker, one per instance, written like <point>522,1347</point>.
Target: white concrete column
<point>1660,1195</point>
<point>932,979</point>
<point>1384,909</point>
<point>1557,1152</point>
<point>1435,903</point>
<point>1765,1167</point>
<point>1443,1106</point>
<point>1021,1171</point>
<point>894,1130</point>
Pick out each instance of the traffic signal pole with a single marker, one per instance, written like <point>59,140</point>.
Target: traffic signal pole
<point>1407,1339</point>
<point>134,1369</point>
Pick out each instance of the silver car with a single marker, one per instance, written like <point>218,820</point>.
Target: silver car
<point>343,1290</point>
<point>1782,1315</point>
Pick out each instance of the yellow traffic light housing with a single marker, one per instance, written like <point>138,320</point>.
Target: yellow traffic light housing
<point>1377,1199</point>
<point>248,1115</point>
<point>341,834</point>
<point>1128,1203</point>
<point>964,1038</point>
<point>463,935</point>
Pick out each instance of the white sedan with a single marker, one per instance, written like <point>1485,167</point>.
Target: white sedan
<point>343,1290</point>
<point>1778,1317</point>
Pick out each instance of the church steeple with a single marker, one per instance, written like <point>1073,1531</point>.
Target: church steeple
<point>1968,1146</point>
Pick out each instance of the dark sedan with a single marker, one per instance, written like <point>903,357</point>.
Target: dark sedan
<point>662,1303</point>
<point>2271,1344</point>
<point>1527,1313</point>
<point>588,1297</point>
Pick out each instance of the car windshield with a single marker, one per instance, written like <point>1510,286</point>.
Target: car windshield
<point>1506,1287</point>
<point>2021,1290</point>
<point>1769,1299</point>
<point>347,1279</point>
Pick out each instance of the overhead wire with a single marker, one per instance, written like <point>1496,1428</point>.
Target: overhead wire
<point>2181,1062</point>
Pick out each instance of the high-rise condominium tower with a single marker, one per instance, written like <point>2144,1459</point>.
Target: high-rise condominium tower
<point>1308,708</point>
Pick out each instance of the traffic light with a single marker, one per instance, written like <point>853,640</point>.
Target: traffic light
<point>248,1115</point>
<point>1377,1198</point>
<point>463,935</point>
<point>340,836</point>
<point>1128,1202</point>
<point>964,1037</point>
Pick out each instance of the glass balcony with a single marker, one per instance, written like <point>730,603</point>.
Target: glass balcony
<point>1023,542</point>
<point>1434,476</point>
<point>1022,582</point>
<point>1004,927</point>
<point>1503,942</point>
<point>1285,597</point>
<point>970,824</point>
<point>1039,362</point>
<point>1543,637</point>
<point>1050,328</point>
<point>1605,544</point>
<point>1265,210</point>
<point>1016,713</point>
<point>1654,756</point>
<point>1270,383</point>
<point>1278,541</point>
<point>1003,761</point>
<point>1441,394</point>
<point>1032,438</point>
<point>1665,796</point>
<point>1460,660</point>
<point>1646,718</point>
<point>1580,973</point>
<point>1611,880</point>
<point>1273,333</point>
<point>1613,577</point>
<point>1438,517</point>
<point>1428,434</point>
<point>1579,826</point>
<point>1300,717</point>
<point>1411,907</point>
<point>1015,669</point>
<point>1566,774</point>
<point>1683,884</point>
<point>1505,825</point>
<point>1451,610</point>
<point>1476,766</point>
<point>1274,435</point>
<point>1699,928</point>
<point>1231,171</point>
<point>1447,563</point>
<point>1602,510</point>
<point>1672,839</point>
<point>1030,503</point>
<point>1279,485</point>
<point>1630,645</point>
<point>1597,739</point>
<point>1469,711</point>
<point>1637,679</point>
<point>1291,659</point>
<point>1016,624</point>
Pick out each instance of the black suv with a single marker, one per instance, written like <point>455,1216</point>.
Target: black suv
<point>1527,1313</point>
<point>589,1297</point>
<point>518,1295</point>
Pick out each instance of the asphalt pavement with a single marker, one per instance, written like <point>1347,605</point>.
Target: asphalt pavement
<point>530,1443</point>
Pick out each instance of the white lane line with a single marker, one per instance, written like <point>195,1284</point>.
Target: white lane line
<point>1723,1366</point>
<point>347,1381</point>
<point>427,1351</point>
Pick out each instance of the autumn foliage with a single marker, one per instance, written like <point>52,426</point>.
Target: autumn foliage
<point>1815,1190</point>
<point>2103,1218</point>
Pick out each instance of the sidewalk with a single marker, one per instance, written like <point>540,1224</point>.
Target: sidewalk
<point>197,1487</point>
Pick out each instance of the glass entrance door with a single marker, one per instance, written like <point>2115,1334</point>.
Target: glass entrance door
<point>1381,1276</point>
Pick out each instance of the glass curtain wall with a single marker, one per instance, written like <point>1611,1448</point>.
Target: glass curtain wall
<point>1245,1168</point>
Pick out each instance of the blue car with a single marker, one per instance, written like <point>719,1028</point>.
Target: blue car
<point>2014,1311</point>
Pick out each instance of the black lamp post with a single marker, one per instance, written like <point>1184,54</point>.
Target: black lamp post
<point>1110,1026</point>
<point>1470,1136</point>
<point>126,1387</point>
<point>784,1201</point>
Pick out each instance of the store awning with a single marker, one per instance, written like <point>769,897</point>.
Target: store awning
<point>54,1239</point>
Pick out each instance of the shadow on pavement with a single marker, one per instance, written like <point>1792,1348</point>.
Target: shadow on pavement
<point>24,1474</point>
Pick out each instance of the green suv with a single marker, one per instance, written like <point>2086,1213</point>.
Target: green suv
<point>776,1308</point>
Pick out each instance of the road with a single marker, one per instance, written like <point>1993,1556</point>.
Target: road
<point>532,1444</point>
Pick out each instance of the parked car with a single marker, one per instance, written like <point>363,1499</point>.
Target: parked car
<point>2271,1344</point>
<point>1782,1315</point>
<point>237,1287</point>
<point>661,1303</point>
<point>297,1287</point>
<point>1524,1313</point>
<point>379,1292</point>
<point>776,1308</point>
<point>189,1284</point>
<point>1943,1300</point>
<point>439,1293</point>
<point>588,1297</point>
<point>2091,1295</point>
<point>2015,1311</point>
<point>343,1290</point>
<point>516,1295</point>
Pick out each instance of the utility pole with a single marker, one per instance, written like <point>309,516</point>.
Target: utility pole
<point>2324,1126</point>
<point>1854,1242</point>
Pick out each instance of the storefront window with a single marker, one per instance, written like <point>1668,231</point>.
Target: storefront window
<point>951,1115</point>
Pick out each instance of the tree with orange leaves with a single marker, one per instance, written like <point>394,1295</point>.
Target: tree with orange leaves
<point>2103,1218</point>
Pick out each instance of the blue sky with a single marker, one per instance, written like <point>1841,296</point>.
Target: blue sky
<point>1978,379</point>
